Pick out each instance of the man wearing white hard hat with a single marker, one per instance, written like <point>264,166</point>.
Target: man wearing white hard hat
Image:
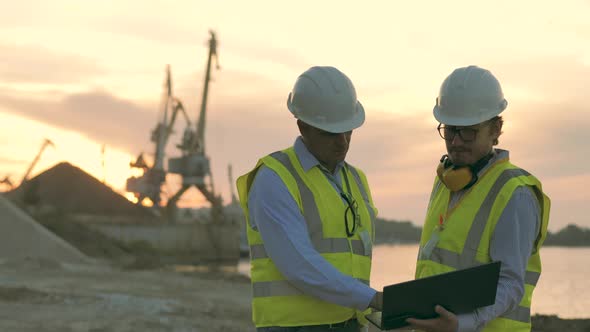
<point>311,217</point>
<point>482,208</point>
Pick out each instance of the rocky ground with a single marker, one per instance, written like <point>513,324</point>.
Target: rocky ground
<point>44,295</point>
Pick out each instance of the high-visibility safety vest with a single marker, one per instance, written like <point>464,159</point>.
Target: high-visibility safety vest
<point>468,228</point>
<point>275,301</point>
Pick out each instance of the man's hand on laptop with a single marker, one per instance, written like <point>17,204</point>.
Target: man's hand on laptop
<point>446,322</point>
<point>377,301</point>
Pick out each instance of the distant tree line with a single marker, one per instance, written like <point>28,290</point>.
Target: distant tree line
<point>571,236</point>
<point>405,232</point>
<point>396,232</point>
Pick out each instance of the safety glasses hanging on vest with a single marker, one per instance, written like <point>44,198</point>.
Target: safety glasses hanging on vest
<point>457,178</point>
<point>350,224</point>
<point>353,208</point>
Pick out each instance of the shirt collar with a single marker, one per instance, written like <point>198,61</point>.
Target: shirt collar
<point>307,159</point>
<point>499,154</point>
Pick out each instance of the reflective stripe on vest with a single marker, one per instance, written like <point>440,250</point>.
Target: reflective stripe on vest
<point>467,257</point>
<point>323,246</point>
<point>313,220</point>
<point>280,288</point>
<point>519,314</point>
<point>531,278</point>
<point>359,184</point>
<point>310,209</point>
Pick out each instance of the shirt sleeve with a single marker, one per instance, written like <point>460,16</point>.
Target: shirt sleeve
<point>276,216</point>
<point>512,244</point>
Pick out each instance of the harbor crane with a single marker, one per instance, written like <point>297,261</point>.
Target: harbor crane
<point>149,184</point>
<point>193,165</point>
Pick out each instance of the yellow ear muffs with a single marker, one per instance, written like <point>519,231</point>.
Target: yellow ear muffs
<point>454,178</point>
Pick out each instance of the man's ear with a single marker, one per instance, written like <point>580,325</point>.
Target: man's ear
<point>497,128</point>
<point>303,128</point>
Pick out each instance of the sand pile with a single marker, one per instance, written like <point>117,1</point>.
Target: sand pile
<point>69,189</point>
<point>22,237</point>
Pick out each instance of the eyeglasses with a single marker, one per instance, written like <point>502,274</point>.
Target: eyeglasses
<point>351,210</point>
<point>448,133</point>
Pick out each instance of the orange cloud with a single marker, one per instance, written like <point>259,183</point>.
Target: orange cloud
<point>36,64</point>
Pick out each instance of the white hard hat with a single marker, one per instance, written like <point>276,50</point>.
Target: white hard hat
<point>470,95</point>
<point>325,98</point>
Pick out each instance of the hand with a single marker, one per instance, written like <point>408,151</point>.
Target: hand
<point>377,301</point>
<point>446,322</point>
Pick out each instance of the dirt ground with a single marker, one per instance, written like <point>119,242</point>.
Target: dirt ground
<point>44,295</point>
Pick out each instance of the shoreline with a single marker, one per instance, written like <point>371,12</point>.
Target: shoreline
<point>552,323</point>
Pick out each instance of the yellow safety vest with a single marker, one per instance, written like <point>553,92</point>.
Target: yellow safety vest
<point>468,229</point>
<point>275,302</point>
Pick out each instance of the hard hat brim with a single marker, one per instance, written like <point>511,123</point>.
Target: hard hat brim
<point>339,127</point>
<point>477,117</point>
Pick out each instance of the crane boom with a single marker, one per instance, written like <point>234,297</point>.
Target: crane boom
<point>160,135</point>
<point>46,143</point>
<point>177,107</point>
<point>201,122</point>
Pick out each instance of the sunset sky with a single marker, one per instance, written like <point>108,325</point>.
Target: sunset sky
<point>88,73</point>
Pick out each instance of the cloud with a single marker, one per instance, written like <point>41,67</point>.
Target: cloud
<point>237,109</point>
<point>174,33</point>
<point>98,115</point>
<point>247,119</point>
<point>550,138</point>
<point>36,64</point>
<point>163,31</point>
<point>260,51</point>
<point>558,79</point>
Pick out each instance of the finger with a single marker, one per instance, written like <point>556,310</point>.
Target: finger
<point>443,312</point>
<point>420,323</point>
<point>414,323</point>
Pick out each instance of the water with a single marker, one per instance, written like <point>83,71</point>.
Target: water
<point>563,289</point>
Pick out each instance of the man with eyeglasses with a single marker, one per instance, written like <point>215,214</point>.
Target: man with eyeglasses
<point>482,208</point>
<point>310,217</point>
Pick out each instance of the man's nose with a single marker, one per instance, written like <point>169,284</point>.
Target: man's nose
<point>456,139</point>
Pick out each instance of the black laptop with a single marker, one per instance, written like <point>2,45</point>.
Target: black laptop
<point>458,291</point>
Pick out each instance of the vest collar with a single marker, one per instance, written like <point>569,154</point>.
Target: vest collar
<point>499,154</point>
